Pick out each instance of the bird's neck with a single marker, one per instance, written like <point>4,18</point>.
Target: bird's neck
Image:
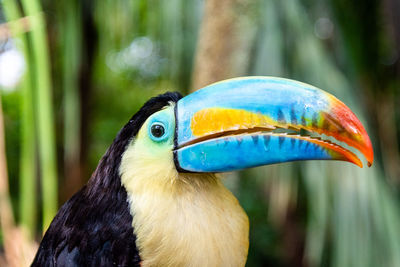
<point>185,219</point>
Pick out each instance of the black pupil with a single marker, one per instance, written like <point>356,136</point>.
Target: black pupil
<point>157,130</point>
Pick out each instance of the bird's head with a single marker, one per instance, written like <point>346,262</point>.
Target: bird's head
<point>242,123</point>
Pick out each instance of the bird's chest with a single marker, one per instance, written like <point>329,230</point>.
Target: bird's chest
<point>202,229</point>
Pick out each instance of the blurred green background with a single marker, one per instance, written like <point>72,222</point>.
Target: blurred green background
<point>73,72</point>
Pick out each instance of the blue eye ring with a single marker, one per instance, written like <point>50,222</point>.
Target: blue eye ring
<point>158,131</point>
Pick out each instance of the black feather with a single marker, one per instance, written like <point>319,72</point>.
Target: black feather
<point>94,227</point>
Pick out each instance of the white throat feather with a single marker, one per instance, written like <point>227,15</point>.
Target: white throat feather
<point>181,219</point>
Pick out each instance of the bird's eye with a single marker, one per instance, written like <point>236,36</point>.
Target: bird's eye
<point>159,127</point>
<point>157,130</point>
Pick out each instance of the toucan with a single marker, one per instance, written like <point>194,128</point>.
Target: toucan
<point>156,197</point>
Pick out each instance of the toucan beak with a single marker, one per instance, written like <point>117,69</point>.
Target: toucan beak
<point>254,121</point>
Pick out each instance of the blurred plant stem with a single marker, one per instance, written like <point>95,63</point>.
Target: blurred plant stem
<point>28,192</point>
<point>19,251</point>
<point>6,215</point>
<point>223,47</point>
<point>27,203</point>
<point>386,115</point>
<point>71,45</point>
<point>44,110</point>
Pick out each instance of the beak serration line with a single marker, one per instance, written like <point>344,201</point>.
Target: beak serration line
<point>216,122</point>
